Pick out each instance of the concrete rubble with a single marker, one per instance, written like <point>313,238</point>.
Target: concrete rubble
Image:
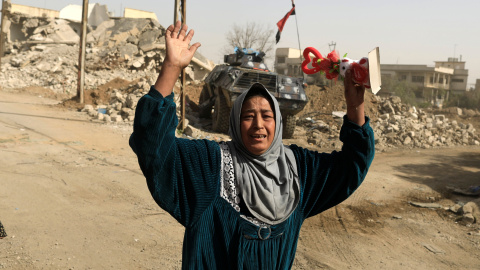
<point>469,213</point>
<point>44,51</point>
<point>404,125</point>
<point>401,125</point>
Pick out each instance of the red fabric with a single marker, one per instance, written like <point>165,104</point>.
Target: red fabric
<point>282,22</point>
<point>333,55</point>
<point>360,74</point>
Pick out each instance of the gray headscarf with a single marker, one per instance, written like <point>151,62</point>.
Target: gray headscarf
<point>268,183</point>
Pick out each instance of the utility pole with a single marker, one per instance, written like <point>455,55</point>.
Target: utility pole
<point>333,44</point>
<point>181,9</point>
<point>4,26</point>
<point>81,58</point>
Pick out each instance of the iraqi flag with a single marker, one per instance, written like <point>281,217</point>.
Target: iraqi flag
<point>282,22</point>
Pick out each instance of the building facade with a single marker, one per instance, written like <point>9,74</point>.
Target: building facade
<point>432,84</point>
<point>288,61</point>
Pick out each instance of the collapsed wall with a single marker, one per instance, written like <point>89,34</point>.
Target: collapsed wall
<point>44,51</point>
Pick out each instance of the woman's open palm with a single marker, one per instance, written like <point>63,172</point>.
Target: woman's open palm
<point>179,53</point>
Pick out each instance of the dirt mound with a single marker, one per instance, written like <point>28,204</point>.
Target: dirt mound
<point>101,95</point>
<point>325,100</point>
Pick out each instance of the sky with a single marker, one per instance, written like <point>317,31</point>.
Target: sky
<point>406,32</point>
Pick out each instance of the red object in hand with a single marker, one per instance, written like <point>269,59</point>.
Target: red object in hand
<point>360,74</point>
<point>306,54</point>
<point>332,66</point>
<point>329,65</point>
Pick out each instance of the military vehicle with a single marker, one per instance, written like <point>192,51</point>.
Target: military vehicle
<point>241,69</point>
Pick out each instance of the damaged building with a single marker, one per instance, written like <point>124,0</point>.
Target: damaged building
<point>41,47</point>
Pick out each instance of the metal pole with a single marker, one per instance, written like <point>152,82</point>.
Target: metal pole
<point>175,11</point>
<point>298,36</point>
<point>182,8</point>
<point>81,60</point>
<point>182,99</point>
<point>4,27</point>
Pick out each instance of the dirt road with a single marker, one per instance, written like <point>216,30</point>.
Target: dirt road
<point>72,197</point>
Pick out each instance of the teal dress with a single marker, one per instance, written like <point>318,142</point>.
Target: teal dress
<point>187,178</point>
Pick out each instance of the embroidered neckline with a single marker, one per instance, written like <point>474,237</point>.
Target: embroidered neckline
<point>228,189</point>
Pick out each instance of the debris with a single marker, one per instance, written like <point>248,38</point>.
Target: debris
<point>43,51</point>
<point>433,249</point>
<point>338,114</point>
<point>426,205</point>
<point>471,191</point>
<point>474,233</point>
<point>457,208</point>
<point>471,212</point>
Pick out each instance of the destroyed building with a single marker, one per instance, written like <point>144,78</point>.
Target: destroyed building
<point>43,50</point>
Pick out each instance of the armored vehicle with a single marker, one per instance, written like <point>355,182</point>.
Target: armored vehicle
<point>241,69</point>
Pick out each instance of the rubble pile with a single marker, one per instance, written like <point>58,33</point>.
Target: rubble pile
<point>46,53</point>
<point>122,103</point>
<point>399,125</point>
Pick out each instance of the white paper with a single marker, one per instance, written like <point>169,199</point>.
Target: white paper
<point>374,70</point>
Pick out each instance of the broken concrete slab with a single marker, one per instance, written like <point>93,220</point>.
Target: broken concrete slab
<point>147,40</point>
<point>128,51</point>
<point>57,31</point>
<point>426,205</point>
<point>100,31</point>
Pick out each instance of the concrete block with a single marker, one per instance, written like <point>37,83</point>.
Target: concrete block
<point>117,118</point>
<point>439,117</point>
<point>87,108</point>
<point>395,100</point>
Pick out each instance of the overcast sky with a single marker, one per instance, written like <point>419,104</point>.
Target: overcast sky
<point>407,31</point>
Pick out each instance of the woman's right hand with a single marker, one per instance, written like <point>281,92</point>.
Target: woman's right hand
<point>179,53</point>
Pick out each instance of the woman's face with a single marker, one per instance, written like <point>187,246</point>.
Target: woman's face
<point>257,124</point>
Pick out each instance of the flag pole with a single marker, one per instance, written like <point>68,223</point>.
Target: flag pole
<point>298,36</point>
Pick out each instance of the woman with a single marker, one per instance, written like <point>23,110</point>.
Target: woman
<point>242,202</point>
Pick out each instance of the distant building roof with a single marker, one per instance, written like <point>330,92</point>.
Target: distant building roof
<point>135,13</point>
<point>394,67</point>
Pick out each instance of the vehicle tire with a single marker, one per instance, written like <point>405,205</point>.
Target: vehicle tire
<point>205,109</point>
<point>289,124</point>
<point>221,115</point>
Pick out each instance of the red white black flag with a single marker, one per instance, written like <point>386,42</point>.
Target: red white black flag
<point>282,22</point>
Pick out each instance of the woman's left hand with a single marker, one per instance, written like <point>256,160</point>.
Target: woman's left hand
<point>354,97</point>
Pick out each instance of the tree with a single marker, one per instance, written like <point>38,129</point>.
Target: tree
<point>468,100</point>
<point>251,35</point>
<point>400,88</point>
